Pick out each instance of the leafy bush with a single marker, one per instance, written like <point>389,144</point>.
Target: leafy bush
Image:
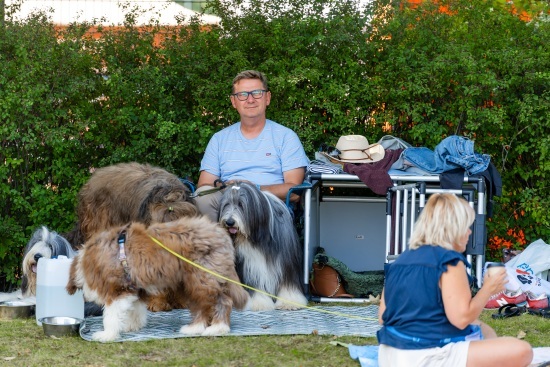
<point>455,68</point>
<point>44,106</point>
<point>70,103</point>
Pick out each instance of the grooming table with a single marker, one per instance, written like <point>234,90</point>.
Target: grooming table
<point>365,231</point>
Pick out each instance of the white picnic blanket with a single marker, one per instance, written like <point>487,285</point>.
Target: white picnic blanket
<point>332,320</point>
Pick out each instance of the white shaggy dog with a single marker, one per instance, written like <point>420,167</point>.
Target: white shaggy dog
<point>43,243</point>
<point>268,252</point>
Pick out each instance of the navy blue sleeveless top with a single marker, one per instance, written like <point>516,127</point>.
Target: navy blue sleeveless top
<point>414,305</point>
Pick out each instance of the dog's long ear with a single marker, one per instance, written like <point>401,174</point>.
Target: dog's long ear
<point>155,196</point>
<point>71,284</point>
<point>166,203</point>
<point>24,284</point>
<point>71,287</point>
<point>75,237</point>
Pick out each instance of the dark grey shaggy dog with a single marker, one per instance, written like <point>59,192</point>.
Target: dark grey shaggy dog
<point>268,250</point>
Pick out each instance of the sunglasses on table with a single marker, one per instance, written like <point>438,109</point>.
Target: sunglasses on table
<point>329,150</point>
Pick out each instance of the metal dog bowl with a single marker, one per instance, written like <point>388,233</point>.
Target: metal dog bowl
<point>61,325</point>
<point>16,309</point>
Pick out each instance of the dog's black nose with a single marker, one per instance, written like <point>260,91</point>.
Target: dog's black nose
<point>37,256</point>
<point>230,222</point>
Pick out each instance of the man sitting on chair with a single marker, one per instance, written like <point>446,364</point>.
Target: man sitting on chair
<point>254,149</point>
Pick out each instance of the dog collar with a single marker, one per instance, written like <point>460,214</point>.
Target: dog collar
<point>121,253</point>
<point>122,258</point>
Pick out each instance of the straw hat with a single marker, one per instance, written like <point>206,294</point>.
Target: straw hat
<point>356,149</point>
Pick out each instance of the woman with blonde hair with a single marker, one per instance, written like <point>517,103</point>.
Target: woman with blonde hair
<point>427,312</point>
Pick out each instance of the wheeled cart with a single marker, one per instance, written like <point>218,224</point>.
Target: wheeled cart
<point>365,231</point>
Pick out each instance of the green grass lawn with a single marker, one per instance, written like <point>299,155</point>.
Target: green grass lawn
<point>23,343</point>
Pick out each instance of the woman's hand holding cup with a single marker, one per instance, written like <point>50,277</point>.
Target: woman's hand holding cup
<point>495,277</point>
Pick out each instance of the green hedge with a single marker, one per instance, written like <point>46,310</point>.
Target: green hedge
<point>69,103</point>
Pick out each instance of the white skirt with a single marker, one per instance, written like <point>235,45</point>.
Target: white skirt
<point>451,355</point>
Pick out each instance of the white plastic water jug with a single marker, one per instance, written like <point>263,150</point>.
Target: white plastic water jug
<point>52,298</point>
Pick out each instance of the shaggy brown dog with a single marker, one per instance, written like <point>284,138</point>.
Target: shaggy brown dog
<point>120,268</point>
<point>114,196</point>
<point>129,192</point>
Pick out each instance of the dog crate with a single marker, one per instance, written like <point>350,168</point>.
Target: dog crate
<point>365,231</point>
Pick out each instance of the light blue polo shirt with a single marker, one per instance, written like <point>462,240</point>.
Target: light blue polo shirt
<point>262,160</point>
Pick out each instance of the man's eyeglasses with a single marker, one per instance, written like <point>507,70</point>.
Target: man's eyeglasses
<point>256,94</point>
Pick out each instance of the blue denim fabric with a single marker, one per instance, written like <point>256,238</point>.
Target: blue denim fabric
<point>453,152</point>
<point>391,142</point>
<point>400,167</point>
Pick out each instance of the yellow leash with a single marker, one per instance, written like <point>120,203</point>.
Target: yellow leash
<point>254,289</point>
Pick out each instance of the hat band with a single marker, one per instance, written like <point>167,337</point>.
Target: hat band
<point>352,154</point>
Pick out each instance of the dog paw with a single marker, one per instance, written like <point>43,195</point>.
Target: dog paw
<point>290,299</point>
<point>133,326</point>
<point>136,318</point>
<point>216,329</point>
<point>105,336</point>
<point>288,306</point>
<point>260,302</point>
<point>158,306</point>
<point>193,329</point>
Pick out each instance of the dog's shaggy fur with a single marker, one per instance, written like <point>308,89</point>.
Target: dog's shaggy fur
<point>129,192</point>
<point>124,286</point>
<point>269,255</point>
<point>114,196</point>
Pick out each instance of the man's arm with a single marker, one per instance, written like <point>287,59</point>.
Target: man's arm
<point>206,178</point>
<point>292,178</point>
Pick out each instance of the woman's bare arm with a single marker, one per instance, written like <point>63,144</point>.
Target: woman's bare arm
<point>461,309</point>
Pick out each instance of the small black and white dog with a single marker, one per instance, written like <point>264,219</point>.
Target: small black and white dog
<point>43,243</point>
<point>47,244</point>
<point>268,252</point>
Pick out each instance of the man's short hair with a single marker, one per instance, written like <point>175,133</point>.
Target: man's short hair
<point>249,74</point>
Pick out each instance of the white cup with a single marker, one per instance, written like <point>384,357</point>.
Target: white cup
<point>495,268</point>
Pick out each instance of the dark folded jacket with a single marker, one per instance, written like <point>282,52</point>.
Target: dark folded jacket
<point>375,175</point>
